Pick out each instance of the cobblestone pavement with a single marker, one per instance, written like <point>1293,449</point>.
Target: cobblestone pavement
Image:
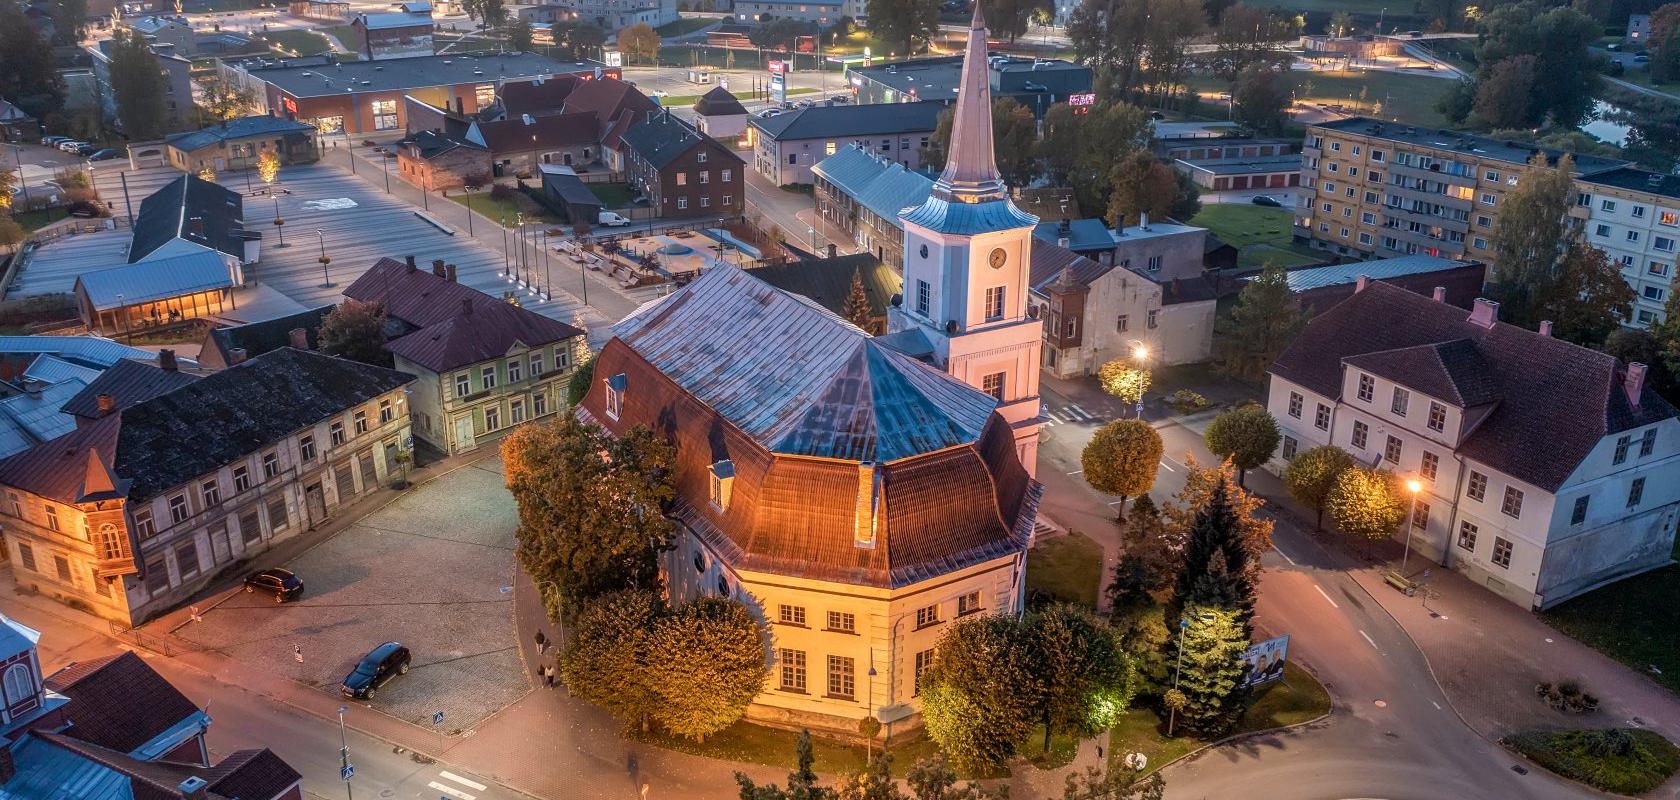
<point>432,570</point>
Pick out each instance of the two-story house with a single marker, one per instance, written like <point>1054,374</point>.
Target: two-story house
<point>482,365</point>
<point>1548,469</point>
<point>136,510</point>
<point>683,172</point>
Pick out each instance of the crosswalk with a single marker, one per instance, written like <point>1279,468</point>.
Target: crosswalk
<point>454,788</point>
<point>1067,415</point>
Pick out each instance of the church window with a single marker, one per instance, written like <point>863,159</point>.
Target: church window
<point>994,303</point>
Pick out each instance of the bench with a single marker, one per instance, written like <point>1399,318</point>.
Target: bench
<point>1401,582</point>
<point>435,222</point>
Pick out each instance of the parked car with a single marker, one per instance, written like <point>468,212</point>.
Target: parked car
<point>377,668</point>
<point>611,220</point>
<point>52,141</point>
<point>282,583</point>
<point>105,154</point>
<point>1267,201</point>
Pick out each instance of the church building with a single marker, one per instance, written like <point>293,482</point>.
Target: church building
<point>858,492</point>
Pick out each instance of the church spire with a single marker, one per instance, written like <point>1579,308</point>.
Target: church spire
<point>971,174</point>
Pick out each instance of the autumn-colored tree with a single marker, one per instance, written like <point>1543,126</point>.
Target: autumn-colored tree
<point>1121,378</point>
<point>1122,459</point>
<point>1365,503</point>
<point>356,330</point>
<point>608,658</point>
<point>710,659</point>
<point>1312,474</point>
<point>1246,435</point>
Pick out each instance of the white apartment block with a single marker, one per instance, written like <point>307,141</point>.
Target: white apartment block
<point>1548,469</point>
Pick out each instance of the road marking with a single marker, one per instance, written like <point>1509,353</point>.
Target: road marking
<point>451,791</point>
<point>1285,555</point>
<point>1076,472</point>
<point>463,781</point>
<point>1165,467</point>
<point>1326,596</point>
<point>1368,638</point>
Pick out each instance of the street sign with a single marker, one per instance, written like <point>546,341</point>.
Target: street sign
<point>347,772</point>
<point>437,718</point>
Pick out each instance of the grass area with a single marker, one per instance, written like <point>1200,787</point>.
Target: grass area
<point>303,43</point>
<point>1616,620</point>
<point>774,747</point>
<point>490,207</point>
<point>612,195</point>
<point>1298,698</point>
<point>1620,760</point>
<point>1066,568</point>
<point>683,26</point>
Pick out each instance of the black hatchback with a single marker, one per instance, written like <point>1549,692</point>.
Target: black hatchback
<point>281,583</point>
<point>376,668</point>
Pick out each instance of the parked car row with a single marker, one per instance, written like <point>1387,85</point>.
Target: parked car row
<point>373,671</point>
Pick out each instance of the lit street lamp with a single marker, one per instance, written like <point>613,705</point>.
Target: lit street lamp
<point>1414,487</point>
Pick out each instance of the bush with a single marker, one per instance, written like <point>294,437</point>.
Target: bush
<point>1185,401</point>
<point>1621,760</point>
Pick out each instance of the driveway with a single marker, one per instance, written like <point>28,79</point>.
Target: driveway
<point>433,570</point>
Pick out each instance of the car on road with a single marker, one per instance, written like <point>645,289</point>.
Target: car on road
<point>1267,201</point>
<point>104,154</point>
<point>282,583</point>
<point>376,669</point>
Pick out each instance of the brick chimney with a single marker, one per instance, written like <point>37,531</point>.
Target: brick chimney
<point>1485,313</point>
<point>409,261</point>
<point>1545,327</point>
<point>437,267</point>
<point>449,272</point>
<point>166,360</point>
<point>1634,382</point>
<point>236,356</point>
<point>107,404</point>
<point>299,338</point>
<point>1440,294</point>
<point>1364,281</point>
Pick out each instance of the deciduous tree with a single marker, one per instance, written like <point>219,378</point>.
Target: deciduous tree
<point>1247,435</point>
<point>609,656</point>
<point>710,659</point>
<point>1122,459</point>
<point>356,330</point>
<point>1365,503</point>
<point>1265,319</point>
<point>1528,239</point>
<point>981,695</point>
<point>1213,641</point>
<point>1312,474</point>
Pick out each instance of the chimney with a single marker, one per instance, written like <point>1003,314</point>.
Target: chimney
<point>466,305</point>
<point>833,250</point>
<point>194,788</point>
<point>1364,281</point>
<point>1546,327</point>
<point>299,338</point>
<point>1634,383</point>
<point>107,404</point>
<point>449,272</point>
<point>409,260</point>
<point>1485,313</point>
<point>1143,220</point>
<point>166,360</point>
<point>1440,294</point>
<point>236,356</point>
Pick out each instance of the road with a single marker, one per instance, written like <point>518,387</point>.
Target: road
<point>1392,734</point>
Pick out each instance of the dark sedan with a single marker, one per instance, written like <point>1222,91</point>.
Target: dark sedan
<point>281,583</point>
<point>375,669</point>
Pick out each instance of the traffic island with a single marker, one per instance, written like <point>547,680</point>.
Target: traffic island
<point>1630,761</point>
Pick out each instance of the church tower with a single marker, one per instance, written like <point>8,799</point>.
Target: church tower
<point>966,254</point>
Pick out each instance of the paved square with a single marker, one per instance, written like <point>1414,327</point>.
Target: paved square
<point>429,571</point>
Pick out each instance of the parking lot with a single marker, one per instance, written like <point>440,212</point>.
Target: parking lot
<point>432,570</point>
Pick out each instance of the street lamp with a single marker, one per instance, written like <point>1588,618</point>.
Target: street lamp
<point>326,279</point>
<point>1414,487</point>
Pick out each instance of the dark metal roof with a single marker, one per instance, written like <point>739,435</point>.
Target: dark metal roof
<point>129,383</point>
<point>192,209</point>
<point>851,121</point>
<point>1551,401</point>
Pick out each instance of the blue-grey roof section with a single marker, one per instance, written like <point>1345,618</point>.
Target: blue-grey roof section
<point>242,128</point>
<point>851,121</point>
<point>885,188</point>
<point>158,279</point>
<point>967,219</point>
<point>47,770</point>
<point>797,378</point>
<point>1082,234</point>
<point>48,368</point>
<point>91,351</point>
<point>1301,280</point>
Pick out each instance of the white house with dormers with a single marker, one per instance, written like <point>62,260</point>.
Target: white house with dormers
<point>1548,469</point>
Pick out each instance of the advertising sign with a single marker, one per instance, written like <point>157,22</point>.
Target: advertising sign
<point>1265,661</point>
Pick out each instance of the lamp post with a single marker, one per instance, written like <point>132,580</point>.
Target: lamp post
<point>326,279</point>
<point>1414,487</point>
<point>344,768</point>
<point>279,224</point>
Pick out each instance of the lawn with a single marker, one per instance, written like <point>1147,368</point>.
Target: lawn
<point>1298,698</point>
<point>299,42</point>
<point>1617,620</point>
<point>683,26</point>
<point>612,195</point>
<point>1066,568</point>
<point>1625,761</point>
